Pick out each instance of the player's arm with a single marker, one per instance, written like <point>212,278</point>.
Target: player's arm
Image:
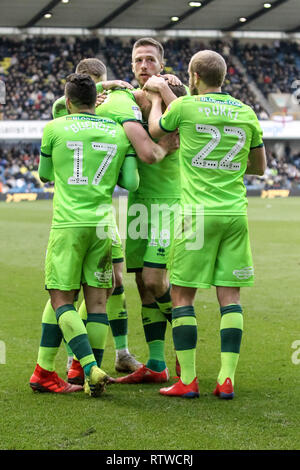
<point>59,108</point>
<point>46,170</point>
<point>155,115</point>
<point>257,161</point>
<point>147,150</point>
<point>129,176</point>
<point>112,84</point>
<point>160,85</point>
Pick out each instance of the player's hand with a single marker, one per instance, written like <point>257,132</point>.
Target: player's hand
<point>172,79</point>
<point>170,142</point>
<point>152,95</point>
<point>155,83</point>
<point>111,84</point>
<point>101,97</point>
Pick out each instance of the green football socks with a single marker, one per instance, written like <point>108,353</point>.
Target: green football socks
<point>97,329</point>
<point>184,330</point>
<point>118,318</point>
<point>50,339</point>
<point>75,333</point>
<point>231,330</point>
<point>154,323</point>
<point>165,305</point>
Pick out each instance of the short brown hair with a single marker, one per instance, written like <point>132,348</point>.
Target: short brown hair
<point>210,67</point>
<point>80,89</point>
<point>150,42</point>
<point>178,90</point>
<point>91,66</point>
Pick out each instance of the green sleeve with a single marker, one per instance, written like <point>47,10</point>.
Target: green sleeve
<point>129,176</point>
<point>59,108</point>
<point>120,106</point>
<point>45,170</point>
<point>171,118</point>
<point>99,87</point>
<point>257,135</point>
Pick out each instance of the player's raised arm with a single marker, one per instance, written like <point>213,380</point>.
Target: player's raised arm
<point>160,85</point>
<point>112,84</point>
<point>257,161</point>
<point>147,150</point>
<point>129,176</point>
<point>154,117</point>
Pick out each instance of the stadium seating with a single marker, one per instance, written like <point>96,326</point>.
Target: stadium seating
<point>34,71</point>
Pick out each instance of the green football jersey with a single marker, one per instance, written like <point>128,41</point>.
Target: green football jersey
<point>59,108</point>
<point>120,105</point>
<point>160,180</point>
<point>87,153</point>
<point>216,132</point>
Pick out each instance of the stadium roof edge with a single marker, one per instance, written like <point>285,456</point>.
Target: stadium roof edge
<point>118,11</point>
<point>124,32</point>
<point>257,14</point>
<point>183,16</point>
<point>46,9</point>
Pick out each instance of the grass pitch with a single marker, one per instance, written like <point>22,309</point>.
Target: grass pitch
<point>266,411</point>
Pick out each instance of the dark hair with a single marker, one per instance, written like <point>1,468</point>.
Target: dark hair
<point>91,66</point>
<point>150,42</point>
<point>80,89</point>
<point>178,90</point>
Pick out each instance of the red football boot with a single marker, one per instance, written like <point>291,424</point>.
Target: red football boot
<point>144,375</point>
<point>45,381</point>
<point>76,373</point>
<point>179,389</point>
<point>225,390</point>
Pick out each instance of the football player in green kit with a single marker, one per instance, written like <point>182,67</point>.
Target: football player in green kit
<point>122,107</point>
<point>220,141</point>
<point>116,306</point>
<point>84,154</point>
<point>158,196</point>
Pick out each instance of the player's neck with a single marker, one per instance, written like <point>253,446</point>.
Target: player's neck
<point>204,90</point>
<point>86,110</point>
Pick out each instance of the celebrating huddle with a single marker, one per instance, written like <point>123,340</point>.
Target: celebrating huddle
<point>181,152</point>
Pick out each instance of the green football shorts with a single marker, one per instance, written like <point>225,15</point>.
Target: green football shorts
<point>117,247</point>
<point>150,230</point>
<point>216,253</point>
<point>78,256</point>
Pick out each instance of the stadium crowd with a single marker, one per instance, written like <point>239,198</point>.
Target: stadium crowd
<point>177,55</point>
<point>34,68</point>
<point>271,76</point>
<point>34,71</point>
<point>18,169</point>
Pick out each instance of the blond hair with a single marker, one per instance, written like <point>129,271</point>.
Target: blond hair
<point>210,67</point>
